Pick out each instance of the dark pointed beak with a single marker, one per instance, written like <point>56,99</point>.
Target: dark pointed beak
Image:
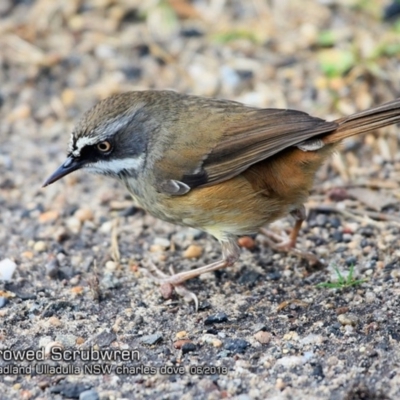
<point>71,164</point>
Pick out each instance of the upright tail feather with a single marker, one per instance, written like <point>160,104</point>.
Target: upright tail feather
<point>365,121</point>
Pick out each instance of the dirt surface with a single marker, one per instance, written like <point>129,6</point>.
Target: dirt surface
<point>263,329</point>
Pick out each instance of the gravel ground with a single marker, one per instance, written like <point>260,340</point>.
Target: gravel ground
<point>264,328</point>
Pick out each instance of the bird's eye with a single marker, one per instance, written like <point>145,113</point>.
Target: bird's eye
<point>104,147</point>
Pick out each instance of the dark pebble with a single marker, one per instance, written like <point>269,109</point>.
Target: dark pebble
<point>152,339</point>
<point>245,74</point>
<point>249,278</point>
<point>391,266</point>
<point>188,347</point>
<point>260,327</point>
<point>89,395</point>
<point>52,268</point>
<point>3,301</point>
<point>212,331</point>
<point>335,222</point>
<point>320,220</point>
<point>128,212</point>
<point>320,242</point>
<point>25,296</point>
<point>274,276</point>
<point>364,243</point>
<point>53,308</point>
<point>204,305</point>
<point>132,72</point>
<point>318,371</point>
<point>335,329</point>
<point>72,390</point>
<point>347,239</point>
<point>104,339</point>
<point>367,232</point>
<point>394,334</point>
<point>216,319</point>
<point>337,236</point>
<point>191,32</point>
<point>351,261</point>
<point>236,345</point>
<point>341,249</point>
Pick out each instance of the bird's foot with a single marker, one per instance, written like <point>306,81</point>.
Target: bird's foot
<point>285,243</point>
<point>170,282</point>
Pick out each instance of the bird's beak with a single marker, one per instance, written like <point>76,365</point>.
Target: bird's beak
<point>71,164</point>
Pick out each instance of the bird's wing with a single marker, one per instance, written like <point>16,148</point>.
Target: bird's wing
<point>240,139</point>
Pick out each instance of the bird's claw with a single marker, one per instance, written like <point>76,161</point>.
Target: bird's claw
<point>170,282</point>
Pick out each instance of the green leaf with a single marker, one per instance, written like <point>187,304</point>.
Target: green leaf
<point>336,62</point>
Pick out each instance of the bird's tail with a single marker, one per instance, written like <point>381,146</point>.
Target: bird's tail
<point>365,121</point>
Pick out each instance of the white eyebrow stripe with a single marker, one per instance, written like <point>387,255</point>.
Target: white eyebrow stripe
<point>118,165</point>
<point>83,142</point>
<point>102,133</point>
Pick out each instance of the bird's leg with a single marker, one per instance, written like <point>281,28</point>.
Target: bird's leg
<point>230,254</point>
<point>281,243</point>
<point>288,243</point>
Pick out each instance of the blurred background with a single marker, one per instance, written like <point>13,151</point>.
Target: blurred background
<point>80,240</point>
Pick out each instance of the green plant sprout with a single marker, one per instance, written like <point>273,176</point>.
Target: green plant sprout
<point>342,282</point>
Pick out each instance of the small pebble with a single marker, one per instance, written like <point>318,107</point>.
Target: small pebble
<point>20,112</point>
<point>348,319</point>
<point>342,310</point>
<point>152,339</point>
<point>3,301</point>
<point>156,248</point>
<point>111,265</point>
<point>217,343</point>
<point>68,97</point>
<point>106,227</point>
<point>193,251</point>
<point>162,242</point>
<point>7,269</point>
<point>84,214</point>
<point>40,246</point>
<point>216,319</point>
<point>237,346</point>
<point>77,290</point>
<point>80,340</point>
<point>263,337</point>
<point>179,343</point>
<point>246,242</point>
<point>188,347</point>
<point>280,384</point>
<point>27,254</point>
<point>181,335</point>
<point>73,224</point>
<point>54,321</point>
<point>67,339</point>
<point>48,216</point>
<point>89,395</point>
<point>52,268</point>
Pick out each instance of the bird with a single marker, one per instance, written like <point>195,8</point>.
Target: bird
<point>216,165</point>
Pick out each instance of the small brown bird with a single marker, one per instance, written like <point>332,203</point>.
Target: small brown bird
<point>216,165</point>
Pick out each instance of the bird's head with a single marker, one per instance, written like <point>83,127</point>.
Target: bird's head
<point>110,139</point>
